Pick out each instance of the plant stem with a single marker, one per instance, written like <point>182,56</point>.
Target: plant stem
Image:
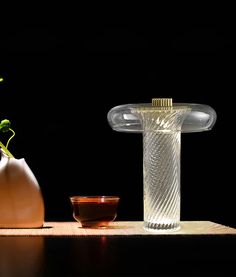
<point>6,150</point>
<point>13,134</point>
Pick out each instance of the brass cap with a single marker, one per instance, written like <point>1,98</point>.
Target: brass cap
<point>162,102</point>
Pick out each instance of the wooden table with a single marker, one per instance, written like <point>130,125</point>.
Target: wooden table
<point>199,248</point>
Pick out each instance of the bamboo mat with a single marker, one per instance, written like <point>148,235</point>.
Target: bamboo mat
<point>123,228</point>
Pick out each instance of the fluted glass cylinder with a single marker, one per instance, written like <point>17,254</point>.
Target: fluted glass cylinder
<point>161,166</point>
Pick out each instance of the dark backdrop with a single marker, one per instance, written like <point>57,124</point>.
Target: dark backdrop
<point>62,77</point>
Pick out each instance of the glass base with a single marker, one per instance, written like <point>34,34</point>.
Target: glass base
<point>157,227</point>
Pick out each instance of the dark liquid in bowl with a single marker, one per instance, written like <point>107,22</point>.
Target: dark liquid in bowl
<point>95,214</point>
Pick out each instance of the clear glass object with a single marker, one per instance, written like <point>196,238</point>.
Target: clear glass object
<point>161,123</point>
<point>94,211</point>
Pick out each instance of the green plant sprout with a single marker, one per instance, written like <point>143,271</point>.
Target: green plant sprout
<point>5,127</point>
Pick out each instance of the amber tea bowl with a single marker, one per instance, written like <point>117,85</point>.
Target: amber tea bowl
<point>94,211</point>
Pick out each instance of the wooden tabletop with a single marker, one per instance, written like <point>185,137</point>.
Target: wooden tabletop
<point>120,228</point>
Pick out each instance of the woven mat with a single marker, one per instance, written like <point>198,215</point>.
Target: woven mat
<point>119,228</point>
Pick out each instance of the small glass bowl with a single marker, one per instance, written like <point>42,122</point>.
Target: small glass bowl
<point>94,211</point>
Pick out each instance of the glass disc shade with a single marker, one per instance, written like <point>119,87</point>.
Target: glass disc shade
<point>200,117</point>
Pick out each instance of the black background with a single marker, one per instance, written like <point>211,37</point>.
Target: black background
<point>64,72</point>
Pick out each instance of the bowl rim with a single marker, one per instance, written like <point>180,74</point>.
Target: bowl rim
<point>94,198</point>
